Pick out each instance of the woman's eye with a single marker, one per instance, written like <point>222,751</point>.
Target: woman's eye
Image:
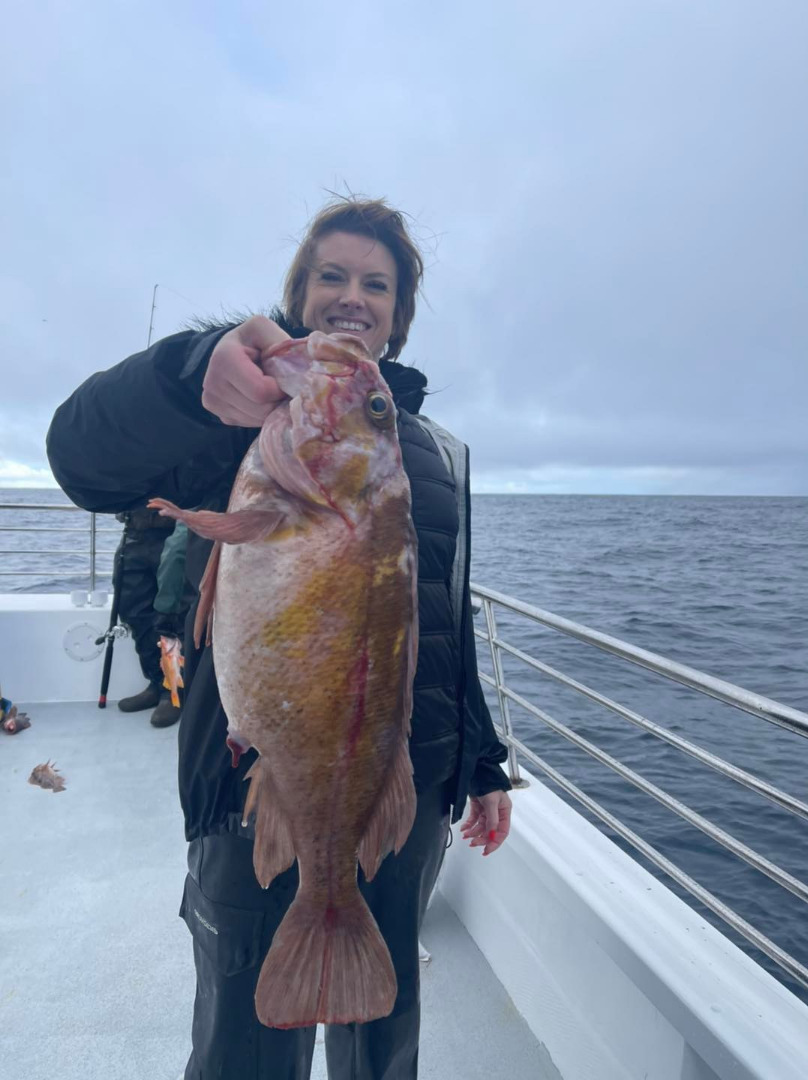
<point>329,275</point>
<point>378,286</point>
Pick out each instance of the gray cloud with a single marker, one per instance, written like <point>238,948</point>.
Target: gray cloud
<point>611,197</point>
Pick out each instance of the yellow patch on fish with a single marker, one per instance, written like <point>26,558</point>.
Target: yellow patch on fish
<point>293,531</point>
<point>388,567</point>
<point>355,425</point>
<point>294,629</point>
<point>352,478</point>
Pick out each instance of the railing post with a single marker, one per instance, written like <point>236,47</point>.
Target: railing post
<point>496,660</point>
<point>92,552</point>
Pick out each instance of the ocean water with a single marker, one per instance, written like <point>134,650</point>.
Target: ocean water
<point>720,584</point>
<point>56,560</point>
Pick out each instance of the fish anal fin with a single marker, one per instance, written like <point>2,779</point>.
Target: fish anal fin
<point>274,849</point>
<point>392,817</point>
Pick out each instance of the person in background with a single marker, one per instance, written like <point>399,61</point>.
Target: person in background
<point>171,606</point>
<point>171,602</point>
<point>144,607</point>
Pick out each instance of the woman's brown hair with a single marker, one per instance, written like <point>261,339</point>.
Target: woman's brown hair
<point>365,217</point>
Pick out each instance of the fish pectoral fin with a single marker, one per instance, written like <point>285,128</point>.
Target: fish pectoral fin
<point>203,619</point>
<point>392,817</point>
<point>232,527</point>
<point>274,849</point>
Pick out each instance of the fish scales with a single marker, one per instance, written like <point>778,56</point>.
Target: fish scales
<point>312,585</point>
<point>318,672</point>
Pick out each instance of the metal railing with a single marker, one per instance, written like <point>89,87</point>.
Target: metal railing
<point>773,712</point>
<point>90,533</point>
<point>784,716</point>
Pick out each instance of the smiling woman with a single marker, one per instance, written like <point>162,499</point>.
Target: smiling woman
<point>365,247</point>
<point>352,287</point>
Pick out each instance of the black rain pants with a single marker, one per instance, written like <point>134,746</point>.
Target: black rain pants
<point>135,573</point>
<point>232,921</point>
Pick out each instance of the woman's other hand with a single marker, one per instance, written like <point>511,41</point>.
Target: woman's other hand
<point>489,821</point>
<point>235,389</point>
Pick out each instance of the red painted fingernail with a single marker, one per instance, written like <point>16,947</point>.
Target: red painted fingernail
<point>492,835</point>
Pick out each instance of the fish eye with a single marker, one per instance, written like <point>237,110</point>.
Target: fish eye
<point>379,406</point>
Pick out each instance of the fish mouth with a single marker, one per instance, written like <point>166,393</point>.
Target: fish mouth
<point>336,369</point>
<point>338,354</point>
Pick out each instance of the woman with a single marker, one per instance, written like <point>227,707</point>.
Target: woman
<point>175,422</point>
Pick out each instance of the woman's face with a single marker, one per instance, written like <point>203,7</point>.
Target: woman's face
<point>352,289</point>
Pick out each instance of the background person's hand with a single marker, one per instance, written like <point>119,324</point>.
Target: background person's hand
<point>489,821</point>
<point>235,389</point>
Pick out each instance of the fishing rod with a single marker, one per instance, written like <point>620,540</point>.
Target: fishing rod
<point>115,630</point>
<point>151,316</point>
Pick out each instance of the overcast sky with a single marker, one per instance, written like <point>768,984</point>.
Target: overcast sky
<point>612,196</point>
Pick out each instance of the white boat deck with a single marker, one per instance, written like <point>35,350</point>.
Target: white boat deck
<point>560,957</point>
<point>96,970</point>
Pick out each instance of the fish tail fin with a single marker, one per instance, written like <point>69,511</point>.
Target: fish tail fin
<point>274,849</point>
<point>327,965</point>
<point>392,817</point>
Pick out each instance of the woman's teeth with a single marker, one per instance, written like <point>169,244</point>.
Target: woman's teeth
<point>345,324</point>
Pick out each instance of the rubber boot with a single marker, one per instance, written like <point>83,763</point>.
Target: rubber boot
<point>165,714</point>
<point>146,699</point>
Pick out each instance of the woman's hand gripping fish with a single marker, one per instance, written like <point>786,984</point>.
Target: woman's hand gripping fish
<point>311,586</point>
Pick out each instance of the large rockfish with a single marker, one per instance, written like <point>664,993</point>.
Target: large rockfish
<point>311,586</point>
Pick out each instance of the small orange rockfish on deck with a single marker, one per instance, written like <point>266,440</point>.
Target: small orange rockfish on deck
<point>171,664</point>
<point>312,590</point>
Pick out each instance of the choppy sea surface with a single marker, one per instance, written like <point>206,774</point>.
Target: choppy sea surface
<point>719,584</point>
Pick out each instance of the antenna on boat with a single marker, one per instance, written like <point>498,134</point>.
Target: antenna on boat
<point>151,317</point>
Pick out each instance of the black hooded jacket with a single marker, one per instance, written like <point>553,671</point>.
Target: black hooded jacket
<point>139,430</point>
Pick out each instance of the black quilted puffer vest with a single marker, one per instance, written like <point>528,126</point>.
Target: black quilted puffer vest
<point>435,739</point>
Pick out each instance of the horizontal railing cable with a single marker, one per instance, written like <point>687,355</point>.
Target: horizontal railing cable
<point>787,962</point>
<point>740,776</point>
<point>737,847</point>
<point>756,704</point>
<point>54,528</point>
<point>53,573</point>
